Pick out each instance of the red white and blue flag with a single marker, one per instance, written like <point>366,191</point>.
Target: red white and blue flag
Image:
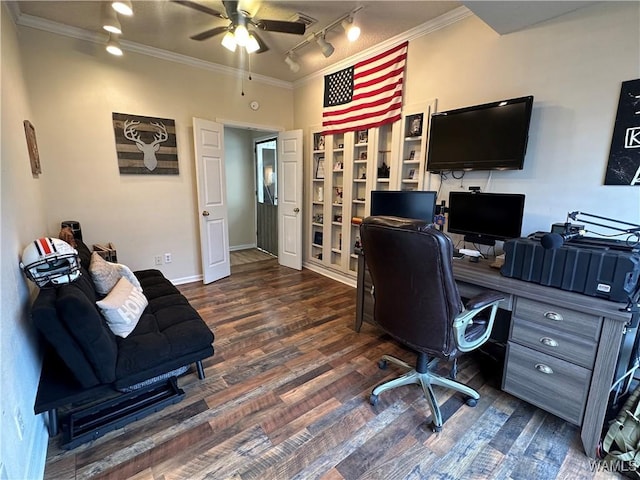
<point>366,95</point>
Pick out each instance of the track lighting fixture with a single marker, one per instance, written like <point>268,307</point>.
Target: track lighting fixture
<point>293,65</point>
<point>351,29</point>
<point>113,46</point>
<point>346,21</point>
<point>123,6</point>
<point>111,23</point>
<point>326,48</point>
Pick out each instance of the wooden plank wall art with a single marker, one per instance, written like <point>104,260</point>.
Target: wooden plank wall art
<point>624,157</point>
<point>145,145</point>
<point>32,146</point>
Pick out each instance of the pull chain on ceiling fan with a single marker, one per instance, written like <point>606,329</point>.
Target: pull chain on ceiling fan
<point>242,29</point>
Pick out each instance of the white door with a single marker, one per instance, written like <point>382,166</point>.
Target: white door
<point>290,199</point>
<point>212,199</point>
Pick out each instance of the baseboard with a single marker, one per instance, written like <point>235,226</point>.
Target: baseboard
<point>242,247</point>
<point>180,281</point>
<point>339,277</point>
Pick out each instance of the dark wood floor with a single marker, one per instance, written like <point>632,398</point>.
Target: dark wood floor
<point>286,397</point>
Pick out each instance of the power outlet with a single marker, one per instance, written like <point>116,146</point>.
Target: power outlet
<point>158,259</point>
<point>19,423</point>
<point>167,258</point>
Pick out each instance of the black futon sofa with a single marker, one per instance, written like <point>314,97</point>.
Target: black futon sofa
<point>86,364</point>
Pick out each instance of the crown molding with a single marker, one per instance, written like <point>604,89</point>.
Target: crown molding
<point>442,21</point>
<point>133,47</point>
<point>438,23</point>
<point>13,10</point>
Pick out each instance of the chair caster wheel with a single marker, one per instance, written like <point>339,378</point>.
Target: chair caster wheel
<point>373,399</point>
<point>472,402</point>
<point>435,428</point>
<point>383,364</point>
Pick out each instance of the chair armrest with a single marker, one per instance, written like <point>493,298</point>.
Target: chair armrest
<point>464,320</point>
<point>483,299</point>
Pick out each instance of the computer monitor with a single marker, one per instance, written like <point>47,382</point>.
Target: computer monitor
<point>485,217</point>
<point>416,204</point>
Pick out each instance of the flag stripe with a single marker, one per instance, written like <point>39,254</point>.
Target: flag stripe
<point>376,95</point>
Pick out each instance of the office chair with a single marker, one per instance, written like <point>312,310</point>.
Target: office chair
<point>416,301</point>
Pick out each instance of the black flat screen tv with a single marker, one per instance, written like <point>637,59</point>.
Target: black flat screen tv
<point>485,217</point>
<point>492,136</point>
<point>416,204</point>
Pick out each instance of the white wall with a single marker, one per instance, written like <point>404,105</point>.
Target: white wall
<point>22,219</point>
<point>241,188</point>
<point>573,65</point>
<point>74,87</point>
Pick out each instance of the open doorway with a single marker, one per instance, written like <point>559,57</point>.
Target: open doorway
<point>267,196</point>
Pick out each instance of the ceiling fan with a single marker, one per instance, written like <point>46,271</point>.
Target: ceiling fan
<point>242,18</point>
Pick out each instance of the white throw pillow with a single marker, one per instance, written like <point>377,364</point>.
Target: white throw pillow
<point>105,274</point>
<point>123,307</point>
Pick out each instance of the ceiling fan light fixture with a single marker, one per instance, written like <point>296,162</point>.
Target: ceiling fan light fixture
<point>111,23</point>
<point>326,48</point>
<point>123,6</point>
<point>242,35</point>
<point>351,29</point>
<point>113,46</point>
<point>229,41</point>
<point>293,65</point>
<point>252,44</point>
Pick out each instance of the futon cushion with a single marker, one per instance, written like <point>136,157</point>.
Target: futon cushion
<point>86,331</point>
<point>122,307</point>
<point>168,333</point>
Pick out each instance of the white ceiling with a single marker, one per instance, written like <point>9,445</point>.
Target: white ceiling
<point>167,25</point>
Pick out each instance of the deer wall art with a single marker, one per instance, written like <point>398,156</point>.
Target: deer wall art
<point>145,144</point>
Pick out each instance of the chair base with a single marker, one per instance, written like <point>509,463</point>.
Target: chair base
<point>425,379</point>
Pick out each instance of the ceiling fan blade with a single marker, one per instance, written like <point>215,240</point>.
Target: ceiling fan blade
<point>200,8</point>
<point>209,33</point>
<point>263,46</point>
<point>296,28</point>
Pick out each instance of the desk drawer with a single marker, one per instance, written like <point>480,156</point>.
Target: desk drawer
<point>561,344</point>
<point>559,319</point>
<point>562,390</point>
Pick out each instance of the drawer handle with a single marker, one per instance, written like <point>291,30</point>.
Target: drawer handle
<point>549,342</point>
<point>541,367</point>
<point>556,317</point>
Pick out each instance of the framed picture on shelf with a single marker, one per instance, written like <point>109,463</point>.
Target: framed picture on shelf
<point>412,174</point>
<point>363,136</point>
<point>318,141</point>
<point>317,238</point>
<point>412,155</point>
<point>337,166</point>
<point>363,155</point>
<point>319,173</point>
<point>414,125</point>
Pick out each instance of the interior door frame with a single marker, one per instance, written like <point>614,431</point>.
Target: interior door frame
<point>260,128</point>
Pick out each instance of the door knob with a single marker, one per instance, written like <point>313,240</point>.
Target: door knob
<point>205,213</point>
<point>296,210</point>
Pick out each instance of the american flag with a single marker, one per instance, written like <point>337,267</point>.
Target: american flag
<point>366,95</point>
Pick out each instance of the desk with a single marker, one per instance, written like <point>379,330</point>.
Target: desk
<point>562,350</point>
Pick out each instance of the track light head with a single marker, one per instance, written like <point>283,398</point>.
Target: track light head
<point>113,46</point>
<point>293,65</point>
<point>351,29</point>
<point>123,6</point>
<point>111,23</point>
<point>326,48</point>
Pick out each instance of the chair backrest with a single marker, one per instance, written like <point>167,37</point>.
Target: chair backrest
<point>416,297</point>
